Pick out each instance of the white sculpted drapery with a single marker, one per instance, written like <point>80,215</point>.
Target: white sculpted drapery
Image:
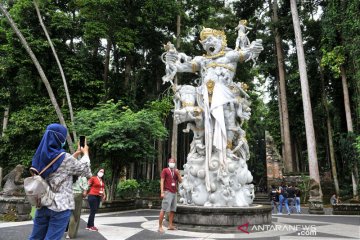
<point>216,172</point>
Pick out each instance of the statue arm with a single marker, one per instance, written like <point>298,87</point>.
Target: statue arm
<point>187,64</point>
<point>253,51</point>
<point>249,53</point>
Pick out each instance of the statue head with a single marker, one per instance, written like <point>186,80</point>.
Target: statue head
<point>169,46</point>
<point>213,41</point>
<point>243,22</point>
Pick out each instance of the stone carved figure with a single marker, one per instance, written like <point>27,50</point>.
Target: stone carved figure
<point>216,172</point>
<point>242,41</point>
<point>14,183</point>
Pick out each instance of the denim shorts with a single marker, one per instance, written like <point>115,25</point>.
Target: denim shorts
<point>169,202</point>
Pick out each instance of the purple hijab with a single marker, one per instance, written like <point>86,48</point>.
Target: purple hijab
<point>49,148</point>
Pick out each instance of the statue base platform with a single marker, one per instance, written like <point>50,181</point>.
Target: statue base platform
<point>221,219</point>
<point>316,207</point>
<point>14,208</point>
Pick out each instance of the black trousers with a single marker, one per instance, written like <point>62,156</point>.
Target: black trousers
<point>94,202</point>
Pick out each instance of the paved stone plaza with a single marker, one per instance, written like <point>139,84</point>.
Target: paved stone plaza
<point>142,224</point>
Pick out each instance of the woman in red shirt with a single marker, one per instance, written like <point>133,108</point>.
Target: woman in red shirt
<point>95,195</point>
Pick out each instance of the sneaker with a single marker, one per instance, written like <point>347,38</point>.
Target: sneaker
<point>94,229</point>
<point>87,228</point>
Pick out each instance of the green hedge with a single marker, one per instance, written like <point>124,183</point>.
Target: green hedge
<point>130,187</point>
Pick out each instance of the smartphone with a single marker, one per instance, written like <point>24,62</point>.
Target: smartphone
<point>82,141</point>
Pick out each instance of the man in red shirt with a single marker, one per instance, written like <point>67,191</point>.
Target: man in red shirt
<point>168,185</point>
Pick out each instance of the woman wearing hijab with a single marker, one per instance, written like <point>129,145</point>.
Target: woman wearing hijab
<point>50,222</point>
<point>95,196</point>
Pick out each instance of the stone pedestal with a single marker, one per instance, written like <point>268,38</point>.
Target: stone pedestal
<point>14,208</point>
<point>316,207</point>
<point>221,219</point>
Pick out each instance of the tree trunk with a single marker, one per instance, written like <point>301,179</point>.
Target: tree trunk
<point>316,205</point>
<point>128,62</point>
<point>132,170</point>
<point>159,156</point>
<point>59,66</point>
<point>174,138</point>
<point>281,124</point>
<point>5,122</point>
<point>148,170</point>
<point>114,180</point>
<point>296,155</point>
<point>106,68</point>
<point>288,160</point>
<point>349,124</point>
<point>40,70</point>
<point>1,177</point>
<point>330,134</point>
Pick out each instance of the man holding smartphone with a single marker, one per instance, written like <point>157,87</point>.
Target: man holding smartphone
<point>168,186</point>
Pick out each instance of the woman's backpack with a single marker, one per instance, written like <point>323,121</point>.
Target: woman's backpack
<point>37,190</point>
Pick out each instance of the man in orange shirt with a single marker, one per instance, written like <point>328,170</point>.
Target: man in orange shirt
<point>168,185</point>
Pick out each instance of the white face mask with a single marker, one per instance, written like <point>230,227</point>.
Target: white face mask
<point>171,165</point>
<point>100,174</point>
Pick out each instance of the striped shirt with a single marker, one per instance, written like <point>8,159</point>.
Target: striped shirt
<point>61,181</point>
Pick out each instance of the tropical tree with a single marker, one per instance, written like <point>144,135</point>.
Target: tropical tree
<point>40,70</point>
<point>120,136</point>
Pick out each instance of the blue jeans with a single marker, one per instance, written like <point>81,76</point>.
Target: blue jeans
<point>297,204</point>
<point>274,206</point>
<point>49,225</point>
<point>94,202</point>
<point>282,200</point>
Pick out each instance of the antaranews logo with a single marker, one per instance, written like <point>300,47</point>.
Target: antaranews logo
<point>244,228</point>
<point>302,230</point>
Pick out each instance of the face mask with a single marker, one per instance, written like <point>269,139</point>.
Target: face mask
<point>100,174</point>
<point>171,165</point>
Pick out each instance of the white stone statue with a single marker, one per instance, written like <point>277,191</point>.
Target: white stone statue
<point>216,172</point>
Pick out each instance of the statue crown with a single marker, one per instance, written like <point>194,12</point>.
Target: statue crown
<point>211,32</point>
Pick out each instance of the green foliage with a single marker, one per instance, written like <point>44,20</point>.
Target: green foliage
<point>24,133</point>
<point>127,188</point>
<point>116,131</point>
<point>348,149</point>
<point>149,188</point>
<point>304,186</point>
<point>357,145</point>
<point>333,59</point>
